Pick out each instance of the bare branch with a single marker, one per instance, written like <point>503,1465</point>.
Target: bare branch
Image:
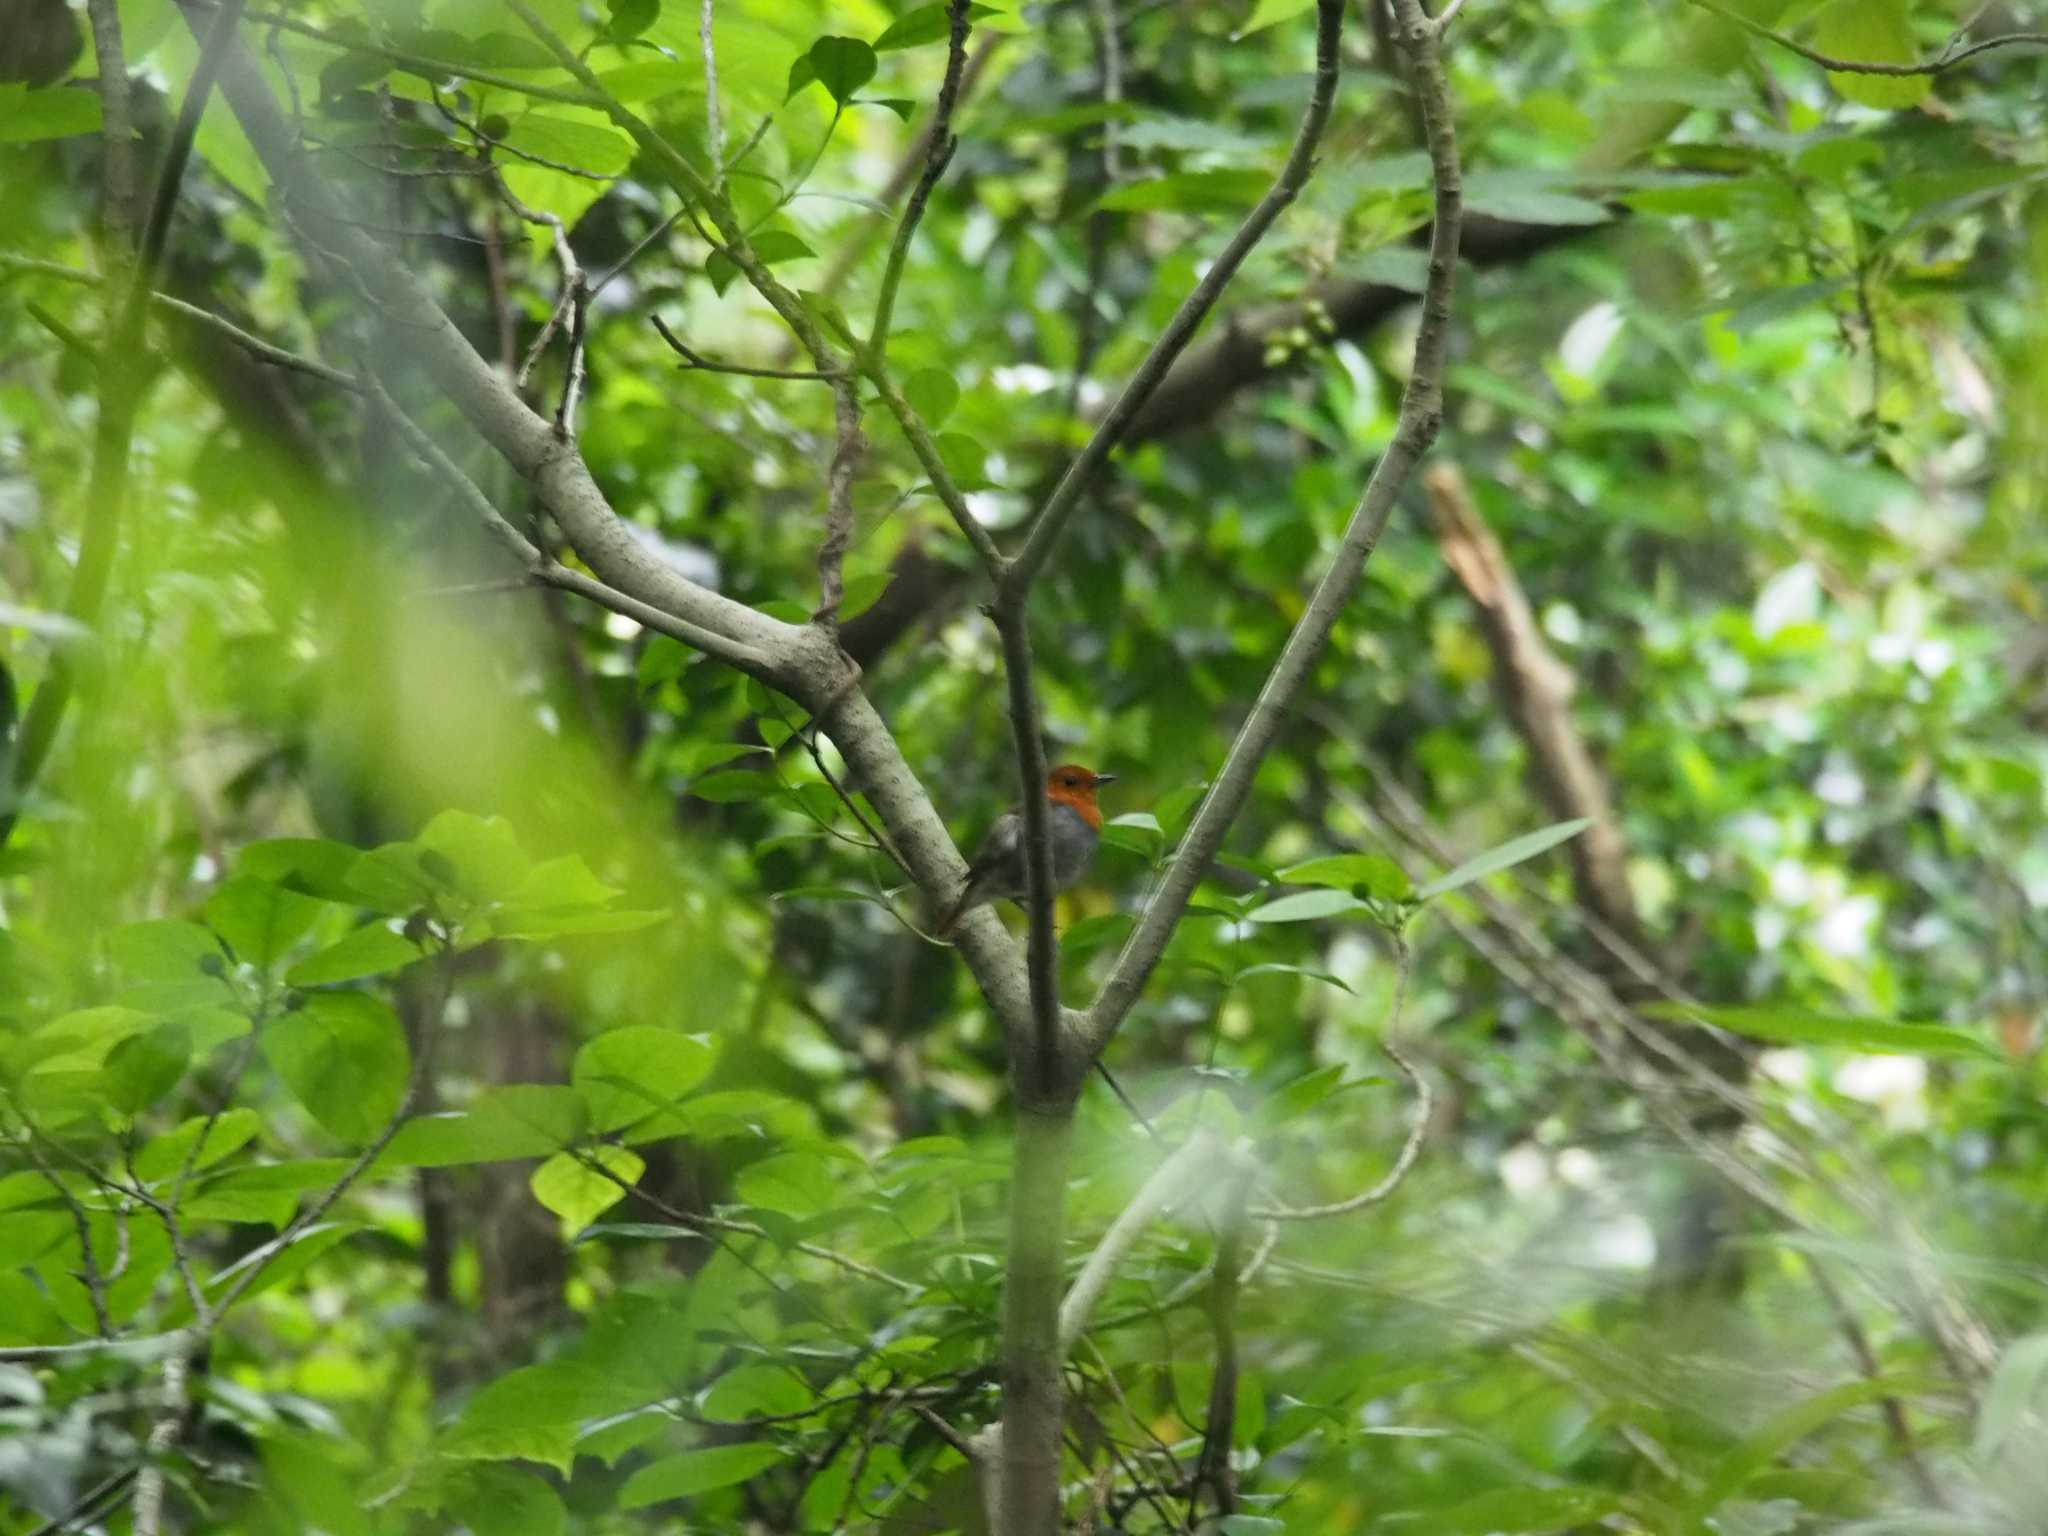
<point>1420,418</point>
<point>938,154</point>
<point>846,457</point>
<point>1180,330</point>
<point>1418,1125</point>
<point>697,360</point>
<point>714,120</point>
<point>1191,1164</point>
<point>1947,59</point>
<point>421,331</point>
<point>117,119</point>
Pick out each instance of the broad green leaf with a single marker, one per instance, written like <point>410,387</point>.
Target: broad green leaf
<point>862,592</point>
<point>626,1074</point>
<point>259,920</point>
<point>579,1193</point>
<point>629,18</point>
<point>484,859</point>
<point>167,952</point>
<point>662,660</point>
<point>1297,1098</point>
<point>53,112</point>
<point>1213,191</point>
<point>371,950</point>
<point>164,1156</point>
<point>1381,878</point>
<point>773,245</point>
<point>692,1472</point>
<point>926,24</point>
<point>142,1069</point>
<point>510,1501</point>
<point>754,1390</point>
<point>1304,906</point>
<point>932,393</point>
<point>1518,198</point>
<point>311,865</point>
<point>796,1184</point>
<point>842,65</point>
<point>1269,13</point>
<point>1871,32</point>
<point>518,1121</point>
<point>344,1056</point>
<point>736,784</point>
<point>1527,1511</point>
<point>1803,1026</point>
<point>1506,855</point>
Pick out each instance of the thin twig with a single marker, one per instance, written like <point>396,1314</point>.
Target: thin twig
<point>937,156</point>
<point>1418,1125</point>
<point>692,359</point>
<point>1949,57</point>
<point>1052,519</point>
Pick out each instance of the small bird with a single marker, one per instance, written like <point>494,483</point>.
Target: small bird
<point>997,872</point>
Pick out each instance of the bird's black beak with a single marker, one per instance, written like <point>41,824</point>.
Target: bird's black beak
<point>1105,778</point>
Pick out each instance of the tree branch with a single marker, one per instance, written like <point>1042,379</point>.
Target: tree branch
<point>1172,1181</point>
<point>1948,59</point>
<point>1111,430</point>
<point>938,154</point>
<point>527,441</point>
<point>1421,416</point>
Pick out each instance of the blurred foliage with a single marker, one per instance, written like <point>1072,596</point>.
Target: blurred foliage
<point>702,1197</point>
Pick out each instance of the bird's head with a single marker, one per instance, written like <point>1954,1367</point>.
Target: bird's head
<point>1071,784</point>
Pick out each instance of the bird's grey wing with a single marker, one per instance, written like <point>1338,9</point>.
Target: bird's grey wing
<point>1000,845</point>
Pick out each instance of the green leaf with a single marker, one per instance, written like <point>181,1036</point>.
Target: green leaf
<point>1381,878</point>
<point>662,660</point>
<point>259,920</point>
<point>578,1193</point>
<point>965,460</point>
<point>343,1055</point>
<point>170,952</point>
<point>371,950</point>
<point>1785,1429</point>
<point>142,1069</point>
<point>1304,906</point>
<point>1506,855</point>
<point>50,113</point>
<point>932,393</point>
<point>693,1472</point>
<point>310,865</point>
<point>736,785</point>
<point>773,245</point>
<point>629,18</point>
<point>754,1390</point>
<point>795,1184</point>
<point>1212,191</point>
<point>626,1074</point>
<point>1506,195</point>
<point>1872,32</point>
<point>594,148</point>
<point>516,1121</point>
<point>2014,1394</point>
<point>842,65</point>
<point>164,1156</point>
<point>1802,1026</point>
<point>1252,1525</point>
<point>1527,1511</point>
<point>1268,13</point>
<point>483,852</point>
<point>1297,1098</point>
<point>926,24</point>
<point>862,592</point>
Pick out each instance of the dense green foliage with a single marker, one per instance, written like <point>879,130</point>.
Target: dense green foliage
<point>500,1028</point>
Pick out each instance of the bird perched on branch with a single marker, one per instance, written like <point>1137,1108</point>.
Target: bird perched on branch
<point>997,872</point>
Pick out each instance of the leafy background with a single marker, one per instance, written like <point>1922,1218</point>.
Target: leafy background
<point>1747,383</point>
